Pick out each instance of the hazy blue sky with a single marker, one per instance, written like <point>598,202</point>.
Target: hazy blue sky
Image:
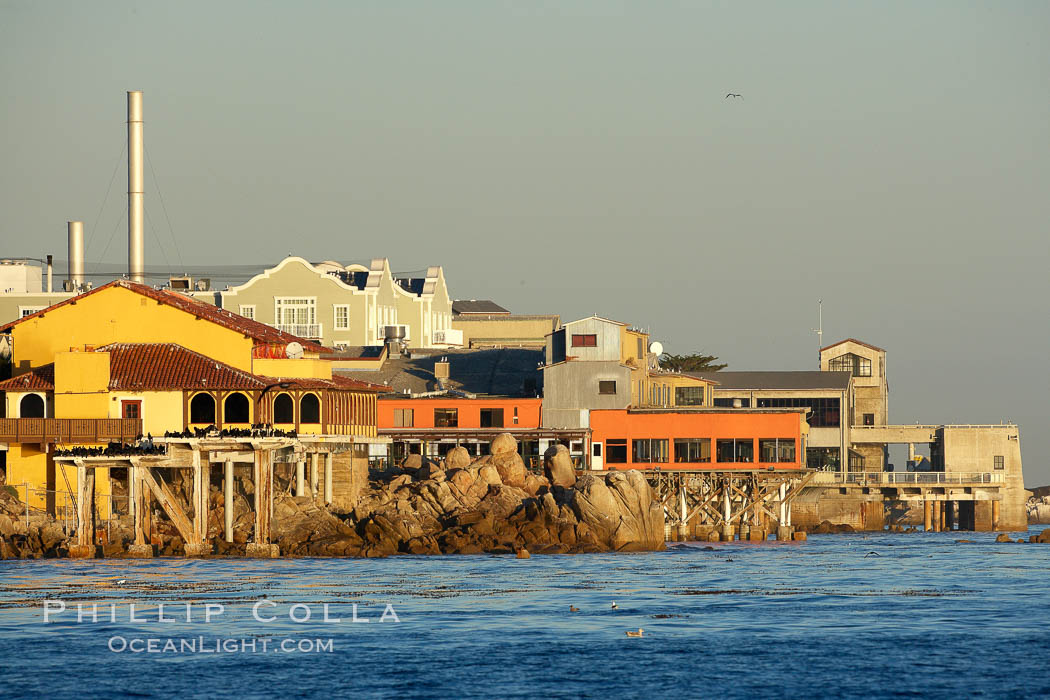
<point>891,158</point>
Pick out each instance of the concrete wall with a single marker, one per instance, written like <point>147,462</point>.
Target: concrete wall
<point>974,448</point>
<point>861,512</point>
<point>502,330</point>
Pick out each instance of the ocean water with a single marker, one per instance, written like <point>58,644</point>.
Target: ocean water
<point>860,615</point>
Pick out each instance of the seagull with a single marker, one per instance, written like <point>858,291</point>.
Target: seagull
<point>122,581</point>
<point>635,634</point>
<point>733,94</point>
<point>614,605</point>
<point>573,608</point>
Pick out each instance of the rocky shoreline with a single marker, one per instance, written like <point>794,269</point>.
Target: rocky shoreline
<point>456,506</point>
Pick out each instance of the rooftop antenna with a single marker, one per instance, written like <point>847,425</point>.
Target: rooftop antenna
<point>819,330</point>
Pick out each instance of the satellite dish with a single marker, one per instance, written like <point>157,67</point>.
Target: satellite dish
<point>656,348</point>
<point>293,351</point>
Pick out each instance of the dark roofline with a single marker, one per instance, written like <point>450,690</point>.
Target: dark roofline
<point>853,340</point>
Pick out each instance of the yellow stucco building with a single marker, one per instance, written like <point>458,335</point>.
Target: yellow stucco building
<point>126,360</point>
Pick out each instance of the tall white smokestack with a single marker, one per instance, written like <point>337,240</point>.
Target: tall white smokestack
<point>76,254</point>
<point>136,235</point>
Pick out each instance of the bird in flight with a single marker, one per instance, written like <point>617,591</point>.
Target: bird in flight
<point>733,94</point>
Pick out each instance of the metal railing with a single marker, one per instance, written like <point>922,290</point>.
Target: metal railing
<point>69,430</point>
<point>301,330</point>
<point>905,478</point>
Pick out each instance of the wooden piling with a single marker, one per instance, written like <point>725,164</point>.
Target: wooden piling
<point>227,498</point>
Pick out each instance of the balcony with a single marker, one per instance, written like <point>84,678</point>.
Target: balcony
<point>906,478</point>
<point>311,331</point>
<point>69,430</point>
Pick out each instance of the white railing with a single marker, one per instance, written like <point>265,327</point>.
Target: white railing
<point>302,330</point>
<point>890,478</point>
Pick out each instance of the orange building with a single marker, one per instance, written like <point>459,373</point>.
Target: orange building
<point>701,438</point>
<point>433,425</point>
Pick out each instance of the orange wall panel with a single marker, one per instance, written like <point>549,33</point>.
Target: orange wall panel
<point>469,411</point>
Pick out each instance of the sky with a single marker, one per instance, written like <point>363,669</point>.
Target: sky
<point>888,158</point>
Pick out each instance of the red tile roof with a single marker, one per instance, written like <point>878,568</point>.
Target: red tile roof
<point>260,332</point>
<point>39,379</point>
<point>165,366</point>
<point>171,367</point>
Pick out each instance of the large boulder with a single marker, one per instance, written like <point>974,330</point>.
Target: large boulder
<point>511,468</point>
<point>503,443</point>
<point>558,468</point>
<point>594,504</point>
<point>641,518</point>
<point>457,458</point>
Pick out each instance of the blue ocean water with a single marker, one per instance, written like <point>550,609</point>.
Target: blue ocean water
<point>860,615</point>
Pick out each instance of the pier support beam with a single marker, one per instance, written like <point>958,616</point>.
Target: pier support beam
<point>995,515</point>
<point>261,547</point>
<point>300,479</point>
<point>927,516</point>
<point>85,546</point>
<point>315,484</point>
<point>142,548</point>
<point>227,499</point>
<point>198,546</point>
<point>329,464</point>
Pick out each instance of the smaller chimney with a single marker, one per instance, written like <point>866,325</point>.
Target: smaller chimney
<point>50,280</point>
<point>76,255</point>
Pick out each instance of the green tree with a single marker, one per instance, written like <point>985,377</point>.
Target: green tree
<point>696,362</point>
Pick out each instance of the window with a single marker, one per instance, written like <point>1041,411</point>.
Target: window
<point>404,417</point>
<point>999,462</point>
<point>248,311</point>
<point>859,366</point>
<point>309,409</point>
<point>24,311</point>
<point>641,348</point>
<point>692,450</point>
<point>580,340</point>
<point>616,452</point>
<point>776,450</point>
<point>131,409</point>
<point>731,403</point>
<point>492,418</point>
<point>515,415</point>
<point>202,409</point>
<point>596,449</point>
<point>649,450</point>
<point>31,406</point>
<point>283,409</point>
<point>689,396</point>
<point>342,317</point>
<point>824,413</point>
<point>823,458</point>
<point>869,419</point>
<point>606,387</point>
<point>236,409</point>
<point>296,312</point>
<point>446,417</point>
<point>736,450</point>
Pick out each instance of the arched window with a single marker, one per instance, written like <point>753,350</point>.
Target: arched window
<point>309,409</point>
<point>202,409</point>
<point>283,409</point>
<point>31,406</point>
<point>236,409</point>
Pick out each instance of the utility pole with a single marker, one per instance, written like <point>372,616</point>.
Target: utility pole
<point>819,330</point>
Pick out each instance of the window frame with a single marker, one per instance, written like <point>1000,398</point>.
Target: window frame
<point>612,451</point>
<point>247,311</point>
<point>606,382</point>
<point>737,443</point>
<point>336,308</point>
<point>403,414</point>
<point>449,413</point>
<point>784,451</point>
<point>492,413</point>
<point>691,446</point>
<point>24,311</point>
<point>586,340</point>
<point>649,451</point>
<point>998,462</point>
